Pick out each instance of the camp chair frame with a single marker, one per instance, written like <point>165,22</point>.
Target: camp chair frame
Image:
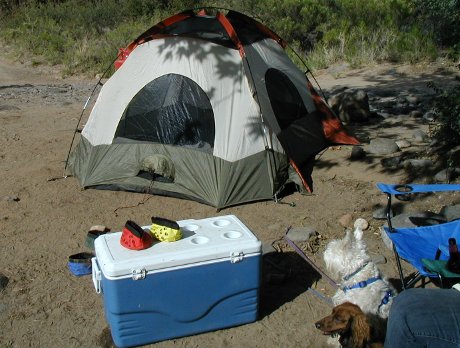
<point>405,193</point>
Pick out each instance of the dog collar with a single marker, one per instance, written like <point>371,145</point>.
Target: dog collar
<point>362,284</point>
<point>355,272</point>
<point>386,298</point>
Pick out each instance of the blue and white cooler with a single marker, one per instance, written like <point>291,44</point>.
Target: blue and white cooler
<point>208,280</point>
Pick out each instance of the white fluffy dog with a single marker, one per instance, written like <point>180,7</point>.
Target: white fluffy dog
<point>360,280</point>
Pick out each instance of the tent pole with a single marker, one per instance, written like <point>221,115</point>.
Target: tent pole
<point>252,86</point>
<point>82,112</point>
<point>308,71</point>
<point>268,149</point>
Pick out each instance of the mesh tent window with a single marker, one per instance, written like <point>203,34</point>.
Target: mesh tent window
<point>284,98</point>
<point>172,109</point>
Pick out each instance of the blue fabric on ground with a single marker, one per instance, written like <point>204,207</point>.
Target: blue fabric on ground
<point>79,269</point>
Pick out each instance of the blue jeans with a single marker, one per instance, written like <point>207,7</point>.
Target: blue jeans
<point>424,318</point>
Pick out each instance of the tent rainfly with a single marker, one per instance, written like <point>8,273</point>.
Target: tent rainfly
<point>209,108</point>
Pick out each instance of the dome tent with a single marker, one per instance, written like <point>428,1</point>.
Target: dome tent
<point>218,99</point>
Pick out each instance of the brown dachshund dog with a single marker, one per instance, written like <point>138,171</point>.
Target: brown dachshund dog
<point>355,329</point>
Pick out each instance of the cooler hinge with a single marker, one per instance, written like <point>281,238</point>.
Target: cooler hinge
<point>236,256</point>
<point>139,274</point>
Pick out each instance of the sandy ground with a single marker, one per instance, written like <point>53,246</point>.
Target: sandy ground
<point>44,221</point>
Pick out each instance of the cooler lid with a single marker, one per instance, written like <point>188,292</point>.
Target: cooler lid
<point>211,239</point>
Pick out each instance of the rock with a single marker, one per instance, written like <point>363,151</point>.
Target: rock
<point>401,109</point>
<point>381,213</point>
<point>419,135</point>
<point>268,248</point>
<point>419,164</point>
<point>385,239</point>
<point>345,220</point>
<point>385,114</point>
<point>429,116</point>
<point>379,259</point>
<point>99,228</point>
<point>8,108</point>
<point>383,146</point>
<point>386,102</point>
<point>357,153</point>
<point>402,144</point>
<point>11,198</point>
<point>383,93</point>
<point>361,223</point>
<point>416,219</point>
<point>301,234</point>
<point>447,175</point>
<point>450,212</point>
<point>412,99</point>
<point>416,114</point>
<point>391,162</point>
<point>351,106</point>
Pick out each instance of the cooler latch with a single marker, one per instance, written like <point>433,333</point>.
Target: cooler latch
<point>236,256</point>
<point>96,275</point>
<point>139,274</point>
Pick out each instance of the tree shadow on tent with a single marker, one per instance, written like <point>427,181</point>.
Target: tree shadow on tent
<point>285,276</point>
<point>194,49</point>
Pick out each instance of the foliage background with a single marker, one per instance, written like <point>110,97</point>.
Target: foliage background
<point>84,35</point>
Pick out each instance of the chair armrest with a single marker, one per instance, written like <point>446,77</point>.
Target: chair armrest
<point>395,189</point>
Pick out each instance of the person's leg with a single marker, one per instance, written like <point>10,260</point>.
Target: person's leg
<point>424,318</point>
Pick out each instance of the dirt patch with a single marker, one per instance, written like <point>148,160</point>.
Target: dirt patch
<point>44,305</point>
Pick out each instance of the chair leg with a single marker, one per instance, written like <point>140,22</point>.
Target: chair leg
<point>398,263</point>
<point>417,276</point>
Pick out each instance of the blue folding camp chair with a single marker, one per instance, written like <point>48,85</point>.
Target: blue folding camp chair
<point>424,247</point>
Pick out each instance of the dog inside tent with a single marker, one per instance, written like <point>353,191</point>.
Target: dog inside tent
<point>207,107</point>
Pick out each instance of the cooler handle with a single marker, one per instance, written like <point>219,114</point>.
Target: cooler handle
<point>97,275</point>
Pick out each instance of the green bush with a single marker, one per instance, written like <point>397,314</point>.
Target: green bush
<point>447,110</point>
<point>440,17</point>
<point>412,47</point>
<point>85,35</point>
<point>441,20</point>
<point>354,31</point>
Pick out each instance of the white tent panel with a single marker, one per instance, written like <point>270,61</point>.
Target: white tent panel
<point>217,70</point>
